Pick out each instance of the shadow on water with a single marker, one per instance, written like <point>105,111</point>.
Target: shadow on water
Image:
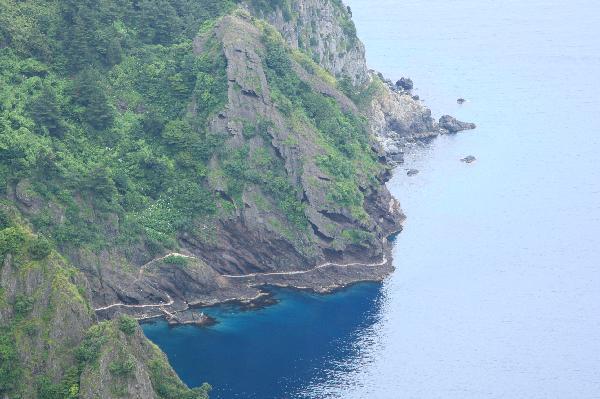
<point>275,351</point>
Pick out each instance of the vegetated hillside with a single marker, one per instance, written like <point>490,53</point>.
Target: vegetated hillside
<point>51,345</point>
<point>131,129</point>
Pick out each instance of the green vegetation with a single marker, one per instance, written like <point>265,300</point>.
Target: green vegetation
<point>27,318</point>
<point>68,388</point>
<point>12,240</point>
<point>363,94</point>
<point>269,6</point>
<point>347,156</point>
<point>123,366</point>
<point>176,260</point>
<point>117,342</point>
<point>261,167</point>
<point>128,325</point>
<point>97,118</point>
<point>89,350</point>
<point>40,248</point>
<point>107,138</point>
<point>10,369</point>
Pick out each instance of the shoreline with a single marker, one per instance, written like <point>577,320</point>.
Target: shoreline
<point>324,279</point>
<point>266,300</point>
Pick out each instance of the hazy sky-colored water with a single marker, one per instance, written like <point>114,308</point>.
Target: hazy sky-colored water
<point>497,288</point>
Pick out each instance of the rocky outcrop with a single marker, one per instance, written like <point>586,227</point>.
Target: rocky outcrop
<point>123,363</point>
<point>453,125</point>
<point>254,236</point>
<point>250,242</point>
<point>289,107</point>
<point>405,84</point>
<point>325,30</point>
<point>396,118</point>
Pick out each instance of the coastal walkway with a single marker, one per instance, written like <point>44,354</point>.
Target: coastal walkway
<point>170,301</point>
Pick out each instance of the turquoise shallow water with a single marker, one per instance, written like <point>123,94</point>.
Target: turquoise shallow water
<point>497,287</point>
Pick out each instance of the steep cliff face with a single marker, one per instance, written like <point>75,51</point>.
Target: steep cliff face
<point>322,28</point>
<point>119,362</point>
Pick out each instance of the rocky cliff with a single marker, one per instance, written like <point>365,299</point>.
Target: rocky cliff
<point>324,30</point>
<point>339,217</point>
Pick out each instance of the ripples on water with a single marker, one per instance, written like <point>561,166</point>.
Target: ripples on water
<point>497,287</point>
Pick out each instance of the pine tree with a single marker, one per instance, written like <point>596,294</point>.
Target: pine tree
<point>46,113</point>
<point>90,94</point>
<point>159,22</point>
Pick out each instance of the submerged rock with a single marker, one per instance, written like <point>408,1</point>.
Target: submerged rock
<point>453,125</point>
<point>469,159</point>
<point>412,172</point>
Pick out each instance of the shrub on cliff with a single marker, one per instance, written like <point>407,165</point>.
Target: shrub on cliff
<point>128,325</point>
<point>40,248</point>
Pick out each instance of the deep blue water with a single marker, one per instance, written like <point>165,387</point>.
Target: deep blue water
<point>497,287</point>
<point>274,351</point>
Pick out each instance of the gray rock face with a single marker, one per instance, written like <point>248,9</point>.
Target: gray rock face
<point>453,125</point>
<point>396,117</point>
<point>324,29</point>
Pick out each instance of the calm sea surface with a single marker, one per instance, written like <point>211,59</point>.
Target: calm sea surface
<point>497,287</point>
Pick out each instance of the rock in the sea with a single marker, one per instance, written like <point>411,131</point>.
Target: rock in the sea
<point>412,172</point>
<point>453,125</point>
<point>469,159</point>
<point>405,84</point>
<point>461,100</point>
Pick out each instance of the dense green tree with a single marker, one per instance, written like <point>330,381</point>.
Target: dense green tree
<point>9,362</point>
<point>89,94</point>
<point>40,248</point>
<point>46,113</point>
<point>159,23</point>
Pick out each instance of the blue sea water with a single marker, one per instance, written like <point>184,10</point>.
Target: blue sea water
<point>496,292</point>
